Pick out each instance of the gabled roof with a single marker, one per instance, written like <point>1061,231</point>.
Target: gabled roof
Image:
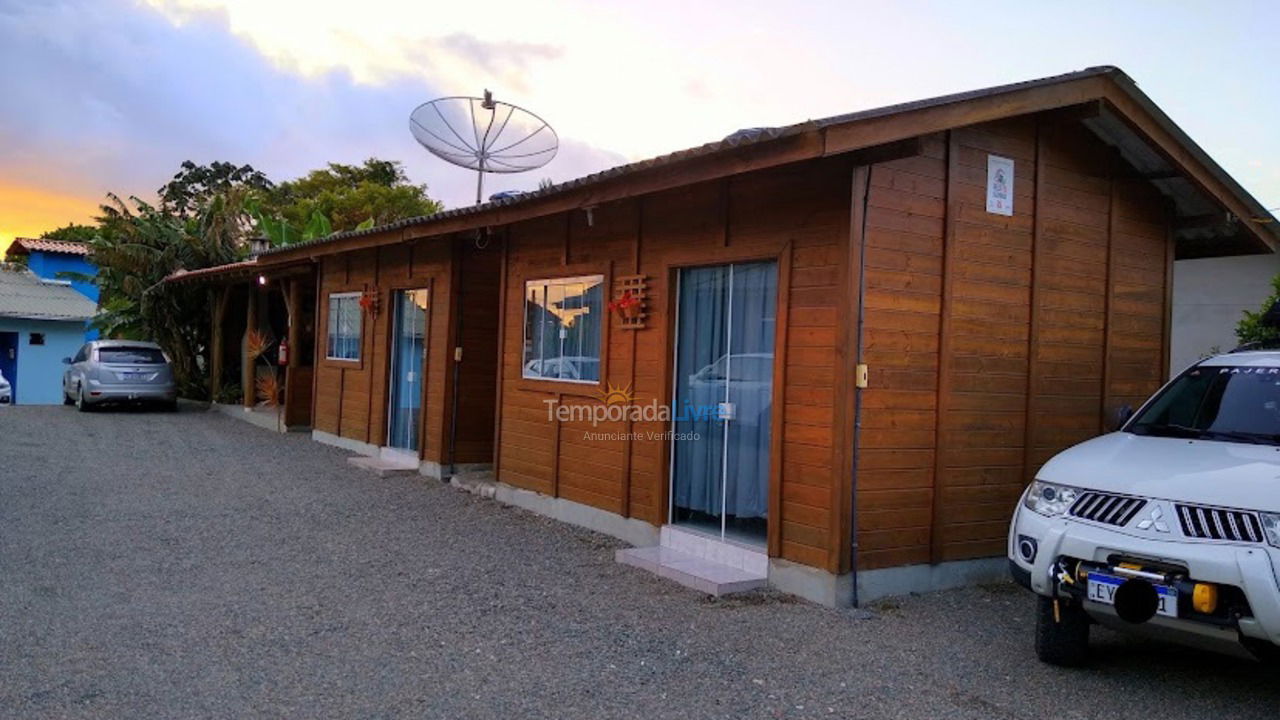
<point>25,246</point>
<point>1219,216</point>
<point>23,295</point>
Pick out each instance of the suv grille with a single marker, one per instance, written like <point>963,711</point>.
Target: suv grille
<point>1106,508</point>
<point>1219,524</point>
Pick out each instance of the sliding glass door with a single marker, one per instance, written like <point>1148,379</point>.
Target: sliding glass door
<point>723,399</point>
<point>408,353</point>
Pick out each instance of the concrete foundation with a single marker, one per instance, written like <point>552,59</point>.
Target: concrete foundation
<point>630,530</point>
<point>337,441</point>
<point>262,417</point>
<point>439,471</point>
<point>812,584</point>
<point>876,584</point>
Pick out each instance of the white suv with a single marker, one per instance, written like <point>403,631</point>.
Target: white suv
<point>1169,526</point>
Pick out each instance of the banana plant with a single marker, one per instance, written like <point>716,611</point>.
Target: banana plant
<point>280,232</point>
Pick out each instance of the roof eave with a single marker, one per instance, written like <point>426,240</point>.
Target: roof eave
<point>47,318</point>
<point>834,136</point>
<point>1146,118</point>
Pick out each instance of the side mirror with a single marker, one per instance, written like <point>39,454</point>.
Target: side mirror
<point>66,361</point>
<point>1120,417</point>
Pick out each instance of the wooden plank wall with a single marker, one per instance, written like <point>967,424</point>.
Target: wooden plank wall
<point>985,344</point>
<point>906,207</point>
<point>991,339</point>
<point>479,282</point>
<point>351,398</point>
<point>797,214</point>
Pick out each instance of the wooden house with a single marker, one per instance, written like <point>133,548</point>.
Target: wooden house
<point>867,331</point>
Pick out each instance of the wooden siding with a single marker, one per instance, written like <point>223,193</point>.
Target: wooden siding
<point>906,210</point>
<point>798,215</point>
<point>351,397</point>
<point>479,283</point>
<point>995,342</point>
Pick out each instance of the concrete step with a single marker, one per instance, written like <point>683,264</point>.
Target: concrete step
<point>477,482</point>
<point>747,557</point>
<point>694,572</point>
<point>385,466</point>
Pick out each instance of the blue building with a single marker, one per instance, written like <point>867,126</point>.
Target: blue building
<point>41,322</point>
<point>49,259</point>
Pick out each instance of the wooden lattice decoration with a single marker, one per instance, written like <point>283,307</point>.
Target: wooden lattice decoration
<point>369,302</point>
<point>630,301</point>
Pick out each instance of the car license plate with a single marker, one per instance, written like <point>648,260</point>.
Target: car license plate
<point>1102,589</point>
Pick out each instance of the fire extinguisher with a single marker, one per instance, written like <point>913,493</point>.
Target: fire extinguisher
<point>284,353</point>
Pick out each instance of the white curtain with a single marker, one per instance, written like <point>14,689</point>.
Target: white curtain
<point>724,364</point>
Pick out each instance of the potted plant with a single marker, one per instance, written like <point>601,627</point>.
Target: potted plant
<point>266,384</point>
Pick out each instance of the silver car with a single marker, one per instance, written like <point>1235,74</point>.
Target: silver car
<point>118,371</point>
<point>6,391</point>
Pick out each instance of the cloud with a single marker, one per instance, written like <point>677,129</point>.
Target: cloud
<point>507,62</point>
<point>108,96</point>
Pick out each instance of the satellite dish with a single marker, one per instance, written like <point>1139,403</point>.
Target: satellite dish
<point>484,135</point>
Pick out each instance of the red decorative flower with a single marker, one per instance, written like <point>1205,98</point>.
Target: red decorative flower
<point>628,304</point>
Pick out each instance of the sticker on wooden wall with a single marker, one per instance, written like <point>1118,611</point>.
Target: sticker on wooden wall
<point>999,185</point>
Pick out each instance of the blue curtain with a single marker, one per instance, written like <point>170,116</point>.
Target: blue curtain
<point>701,343</point>
<point>724,389</point>
<point>408,351</point>
<point>754,295</point>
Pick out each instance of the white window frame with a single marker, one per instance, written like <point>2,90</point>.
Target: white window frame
<point>524,325</point>
<point>330,327</point>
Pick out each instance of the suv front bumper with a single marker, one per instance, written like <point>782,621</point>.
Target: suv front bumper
<point>1247,566</point>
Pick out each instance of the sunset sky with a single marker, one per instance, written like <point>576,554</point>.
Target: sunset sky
<point>111,95</point>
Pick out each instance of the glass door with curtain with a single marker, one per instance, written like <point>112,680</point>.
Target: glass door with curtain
<point>723,399</point>
<point>408,352</point>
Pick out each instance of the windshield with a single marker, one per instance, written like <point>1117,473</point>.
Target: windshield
<point>1240,404</point>
<point>131,355</point>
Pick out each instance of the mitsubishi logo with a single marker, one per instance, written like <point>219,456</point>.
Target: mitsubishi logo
<point>1154,521</point>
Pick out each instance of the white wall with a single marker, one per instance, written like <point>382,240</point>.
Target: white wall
<point>1208,298</point>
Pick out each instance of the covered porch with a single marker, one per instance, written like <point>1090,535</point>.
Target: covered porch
<point>262,342</point>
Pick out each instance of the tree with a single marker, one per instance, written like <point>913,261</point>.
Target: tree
<point>195,185</point>
<point>205,216</point>
<point>279,231</point>
<point>72,232</point>
<point>137,247</point>
<point>1262,328</point>
<point>376,192</point>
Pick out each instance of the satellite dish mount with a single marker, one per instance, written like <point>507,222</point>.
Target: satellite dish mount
<point>483,134</point>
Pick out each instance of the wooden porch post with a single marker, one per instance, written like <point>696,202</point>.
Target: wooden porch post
<point>248,375</point>
<point>215,343</point>
<point>293,304</point>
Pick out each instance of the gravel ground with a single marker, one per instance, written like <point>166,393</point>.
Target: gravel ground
<point>189,565</point>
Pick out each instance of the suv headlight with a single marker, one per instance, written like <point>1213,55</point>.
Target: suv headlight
<point>1049,499</point>
<point>1271,526</point>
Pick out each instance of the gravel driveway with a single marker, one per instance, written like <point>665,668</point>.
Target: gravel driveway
<point>189,565</point>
